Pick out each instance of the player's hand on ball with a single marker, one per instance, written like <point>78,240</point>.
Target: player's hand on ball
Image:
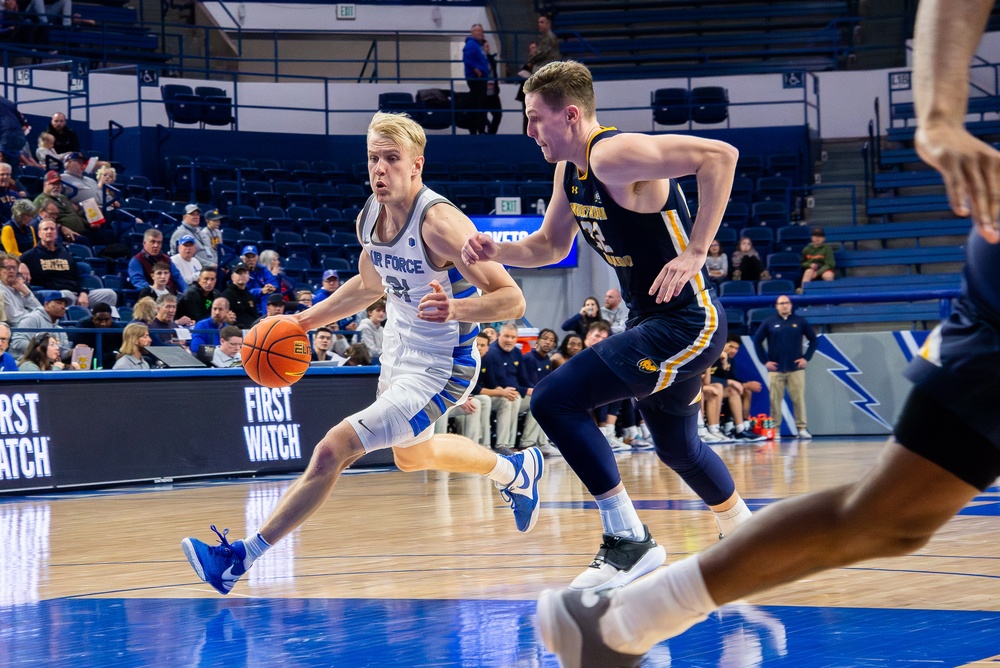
<point>478,247</point>
<point>436,306</point>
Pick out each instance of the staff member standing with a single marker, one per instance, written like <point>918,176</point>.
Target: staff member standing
<point>786,363</point>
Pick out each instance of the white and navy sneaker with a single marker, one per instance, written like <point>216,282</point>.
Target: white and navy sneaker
<point>620,561</point>
<point>522,494</point>
<point>804,435</point>
<point>570,624</point>
<point>219,565</point>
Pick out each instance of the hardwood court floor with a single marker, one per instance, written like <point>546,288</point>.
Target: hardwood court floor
<point>428,570</point>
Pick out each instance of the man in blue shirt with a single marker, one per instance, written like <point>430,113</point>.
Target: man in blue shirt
<point>477,69</point>
<point>785,361</point>
<point>206,332</point>
<point>510,396</point>
<point>262,282</point>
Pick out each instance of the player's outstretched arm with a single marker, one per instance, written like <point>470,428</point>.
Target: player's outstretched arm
<point>945,40</point>
<point>355,295</point>
<point>550,244</point>
<point>444,232</point>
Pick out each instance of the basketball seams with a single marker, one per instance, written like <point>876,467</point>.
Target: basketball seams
<point>262,355</point>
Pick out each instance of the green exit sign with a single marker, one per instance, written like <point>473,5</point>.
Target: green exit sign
<point>508,206</point>
<point>346,13</point>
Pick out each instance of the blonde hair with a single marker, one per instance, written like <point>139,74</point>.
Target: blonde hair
<point>130,339</point>
<point>107,169</point>
<point>45,137</point>
<point>563,83</point>
<point>401,130</point>
<point>145,310</point>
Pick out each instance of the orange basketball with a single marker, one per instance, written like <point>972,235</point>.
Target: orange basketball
<point>276,352</point>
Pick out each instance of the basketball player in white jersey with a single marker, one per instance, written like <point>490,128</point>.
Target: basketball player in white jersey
<point>412,241</point>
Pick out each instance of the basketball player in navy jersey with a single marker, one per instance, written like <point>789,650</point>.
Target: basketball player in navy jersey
<point>412,238</point>
<point>946,447</point>
<point>619,188</point>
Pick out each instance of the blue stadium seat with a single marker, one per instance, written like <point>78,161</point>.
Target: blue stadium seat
<point>737,289</point>
<point>775,286</point>
<point>671,106</point>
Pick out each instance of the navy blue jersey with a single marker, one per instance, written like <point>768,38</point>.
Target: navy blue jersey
<point>979,279</point>
<point>637,245</point>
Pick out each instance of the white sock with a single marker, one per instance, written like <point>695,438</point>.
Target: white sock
<point>256,547</point>
<point>619,517</point>
<point>701,418</point>
<point>728,520</point>
<point>503,473</point>
<point>631,432</point>
<point>739,428</point>
<point>644,430</point>
<point>714,429</point>
<point>657,607</point>
<point>746,424</point>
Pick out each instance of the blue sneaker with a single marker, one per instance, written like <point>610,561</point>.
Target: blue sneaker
<point>218,565</point>
<point>522,494</point>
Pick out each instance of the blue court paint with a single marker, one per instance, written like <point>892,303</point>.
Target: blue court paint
<point>400,633</point>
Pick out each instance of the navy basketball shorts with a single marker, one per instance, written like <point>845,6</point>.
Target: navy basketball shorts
<point>952,416</point>
<point>662,356</point>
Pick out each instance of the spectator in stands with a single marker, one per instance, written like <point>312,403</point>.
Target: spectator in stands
<point>571,345</point>
<point>477,69</point>
<point>737,393</point>
<point>272,262</point>
<point>535,365</point>
<point>135,341</point>
<point>7,361</point>
<point>164,327</point>
<point>510,398</point>
<point>43,353</point>
<point>322,345</point>
<point>8,195</point>
<point>190,227</point>
<point>53,310</point>
<point>13,128</point>
<point>330,283</point>
<point>747,265</point>
<point>49,210</point>
<point>524,73</point>
<point>817,258</point>
<point>140,267</point>
<point>371,329</point>
<point>210,237</point>
<point>196,302</point>
<point>305,299</point>
<point>160,284</point>
<point>144,310</point>
<point>21,30</point>
<point>614,311</point>
<point>205,332</point>
<point>547,46</point>
<point>493,103</point>
<point>261,282</point>
<point>185,260</point>
<point>75,174</point>
<point>490,332</point>
<point>74,226</point>
<point>52,267</point>
<point>227,353</point>
<point>580,322</point>
<point>66,139</point>
<point>239,298</point>
<point>105,344</point>
<point>357,354</point>
<point>717,264</point>
<point>275,306</point>
<point>58,10</point>
<point>18,235</point>
<point>785,361</point>
<point>18,299</point>
<point>46,154</point>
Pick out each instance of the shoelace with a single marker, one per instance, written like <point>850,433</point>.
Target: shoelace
<point>225,546</point>
<point>505,495</point>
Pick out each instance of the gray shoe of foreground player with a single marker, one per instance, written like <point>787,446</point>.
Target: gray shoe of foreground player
<point>570,625</point>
